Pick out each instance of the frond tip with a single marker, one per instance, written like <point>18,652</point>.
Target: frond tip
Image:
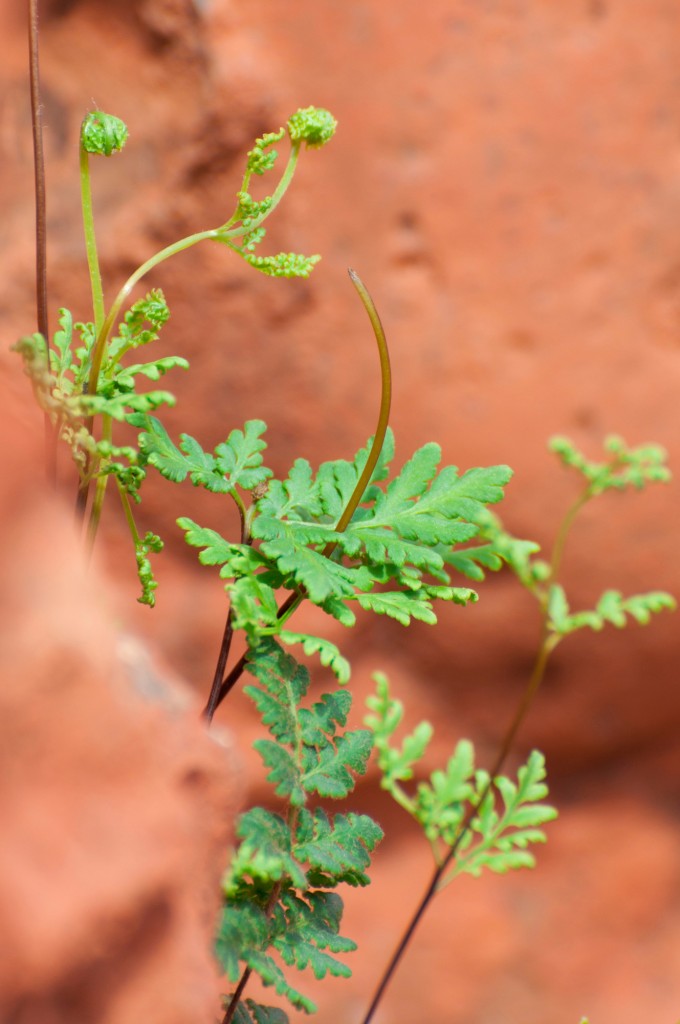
<point>313,125</point>
<point>103,134</point>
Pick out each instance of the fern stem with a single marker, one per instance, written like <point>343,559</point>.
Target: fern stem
<point>141,271</point>
<point>127,510</point>
<point>104,333</point>
<point>403,944</point>
<point>100,488</point>
<point>90,239</point>
<point>215,696</point>
<point>563,533</point>
<point>383,414</point>
<point>223,657</point>
<point>223,234</point>
<point>226,231</point>
<point>236,998</point>
<point>40,192</point>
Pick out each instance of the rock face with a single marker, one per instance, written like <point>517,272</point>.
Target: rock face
<point>117,806</point>
<point>504,178</point>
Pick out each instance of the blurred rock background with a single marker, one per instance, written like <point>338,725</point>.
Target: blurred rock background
<point>506,179</point>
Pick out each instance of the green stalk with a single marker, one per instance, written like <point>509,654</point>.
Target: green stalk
<point>563,533</point>
<point>90,239</point>
<point>226,231</point>
<point>100,489</point>
<point>100,348</point>
<point>222,233</point>
<point>129,518</point>
<point>141,271</point>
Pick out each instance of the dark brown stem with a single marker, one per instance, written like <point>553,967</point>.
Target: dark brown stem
<point>214,697</point>
<point>218,679</point>
<point>236,998</point>
<point>40,217</point>
<point>233,677</point>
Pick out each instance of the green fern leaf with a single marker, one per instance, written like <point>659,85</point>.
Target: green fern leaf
<point>124,378</point>
<point>330,772</point>
<point>335,849</point>
<point>283,264</point>
<point>282,685</point>
<point>399,605</point>
<point>265,853</point>
<point>312,927</point>
<point>123,406</point>
<point>141,325</point>
<point>329,655</point>
<point>505,835</point>
<point>239,458</point>
<point>236,463</point>
<point>250,1012</point>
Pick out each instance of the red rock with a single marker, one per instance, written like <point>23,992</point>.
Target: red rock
<point>504,179</point>
<point>116,805</point>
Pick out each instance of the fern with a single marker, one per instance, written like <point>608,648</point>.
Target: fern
<point>380,562</point>
<point>497,839</point>
<point>237,462</point>
<point>280,903</point>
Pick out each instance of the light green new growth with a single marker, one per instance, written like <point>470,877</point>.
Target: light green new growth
<point>497,838</point>
<point>313,126</point>
<point>103,134</point>
<point>625,467</point>
<point>83,386</point>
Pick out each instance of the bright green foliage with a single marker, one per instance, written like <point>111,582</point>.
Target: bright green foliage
<point>284,264</point>
<point>498,837</point>
<point>129,473</point>
<point>262,157</point>
<point>612,608</point>
<point>62,384</point>
<point>61,388</point>
<point>391,539</point>
<point>141,325</point>
<point>625,467</point>
<point>308,753</point>
<point>150,542</point>
<point>313,125</point>
<point>501,549</point>
<point>102,133</point>
<point>328,653</point>
<point>389,560</point>
<point>237,462</point>
<point>280,907</point>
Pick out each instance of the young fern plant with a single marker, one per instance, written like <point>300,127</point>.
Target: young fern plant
<point>83,381</point>
<point>476,819</point>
